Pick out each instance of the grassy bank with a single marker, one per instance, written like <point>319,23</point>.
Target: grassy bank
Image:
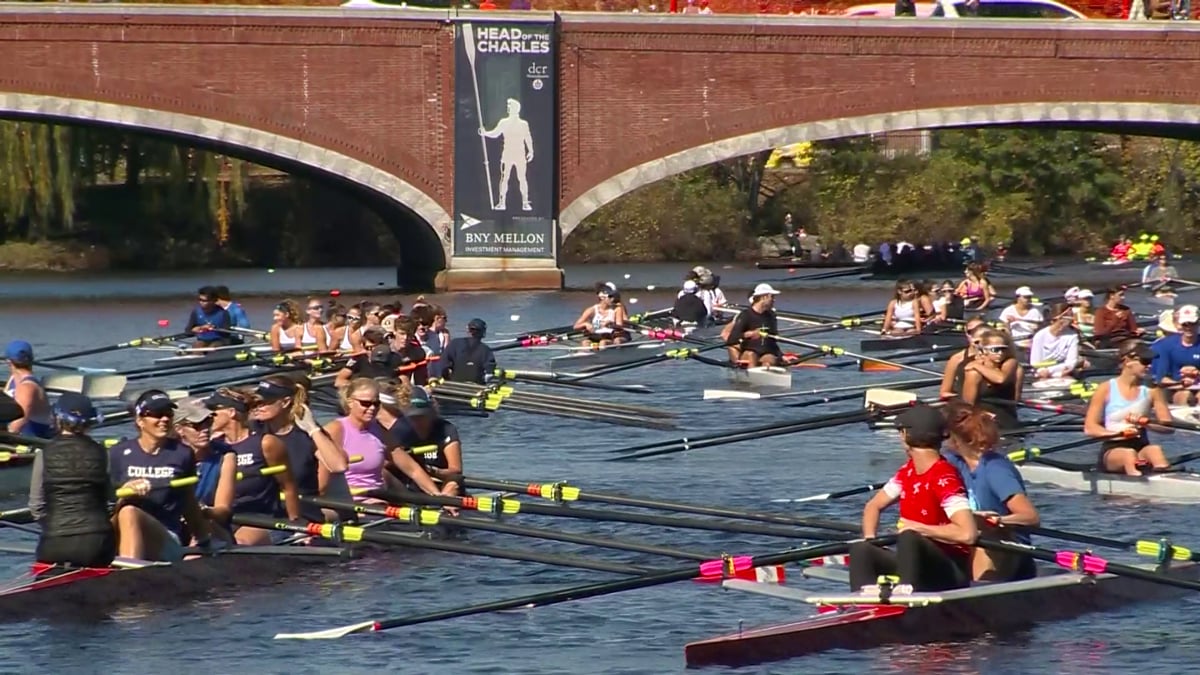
<point>19,256</point>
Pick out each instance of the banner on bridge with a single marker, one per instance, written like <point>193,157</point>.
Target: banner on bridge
<point>505,132</point>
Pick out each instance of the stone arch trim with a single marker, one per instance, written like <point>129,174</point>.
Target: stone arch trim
<point>224,133</point>
<point>932,118</point>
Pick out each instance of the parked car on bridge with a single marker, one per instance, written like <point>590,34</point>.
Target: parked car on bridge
<point>990,9</point>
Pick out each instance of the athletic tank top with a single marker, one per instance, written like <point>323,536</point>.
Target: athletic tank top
<point>345,343</point>
<point>974,289</point>
<point>602,316</point>
<point>1117,408</point>
<point>42,425</point>
<point>905,313</point>
<point>960,372</point>
<point>367,472</point>
<point>308,338</point>
<point>286,341</point>
<point>1005,416</point>
<point>254,494</point>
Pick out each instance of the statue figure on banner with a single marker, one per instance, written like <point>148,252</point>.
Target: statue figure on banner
<point>515,155</point>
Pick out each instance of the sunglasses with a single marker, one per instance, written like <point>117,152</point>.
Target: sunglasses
<point>908,290</point>
<point>198,426</point>
<point>315,308</point>
<point>373,403</point>
<point>993,349</point>
<point>150,414</point>
<point>1140,359</point>
<point>353,317</point>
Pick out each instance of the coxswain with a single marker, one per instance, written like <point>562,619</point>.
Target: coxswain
<point>1054,350</point>
<point>1114,322</point>
<point>937,527</point>
<point>750,336</point>
<point>314,336</point>
<point>994,376</point>
<point>360,434</point>
<point>974,289</point>
<point>689,309</point>
<point>422,425</point>
<point>1119,406</point>
<point>952,376</point>
<point>1176,366</point>
<point>995,491</point>
<point>1021,318</point>
<point>237,313</point>
<point>250,453</point>
<point>23,386</point>
<point>414,361</point>
<point>379,361</point>
<point>604,322</point>
<point>209,322</point>
<point>469,358</point>
<point>947,306</point>
<point>70,490</point>
<point>903,313</point>
<point>150,525</point>
<point>286,330</point>
<point>193,425</point>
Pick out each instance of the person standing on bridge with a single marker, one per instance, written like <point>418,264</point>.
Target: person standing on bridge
<point>517,152</point>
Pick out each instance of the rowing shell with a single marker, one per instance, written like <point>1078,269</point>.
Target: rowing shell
<point>1186,413</point>
<point>762,377</point>
<point>1175,487</point>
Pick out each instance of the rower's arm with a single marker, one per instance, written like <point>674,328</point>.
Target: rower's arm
<point>26,397</point>
<point>875,506</point>
<point>960,530</point>
<point>193,515</point>
<point>330,455</point>
<point>888,316</point>
<point>948,375</point>
<point>275,453</point>
<point>918,322</point>
<point>276,345</point>
<point>620,316</point>
<point>413,469</point>
<point>987,294</point>
<point>1093,421</point>
<point>1162,412</point>
<point>222,507</point>
<point>37,493</point>
<point>343,377</point>
<point>584,319</point>
<point>1022,512</point>
<point>322,339</point>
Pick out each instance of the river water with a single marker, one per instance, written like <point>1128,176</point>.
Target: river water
<point>635,632</point>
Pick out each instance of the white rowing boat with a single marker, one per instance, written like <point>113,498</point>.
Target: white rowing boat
<point>1186,413</point>
<point>762,377</point>
<point>1178,487</point>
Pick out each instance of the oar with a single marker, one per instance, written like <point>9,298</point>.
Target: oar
<point>1086,563</point>
<point>849,492</point>
<point>839,351</point>
<point>704,569</point>
<point>350,533</point>
<point>136,342</point>
<point>562,492</point>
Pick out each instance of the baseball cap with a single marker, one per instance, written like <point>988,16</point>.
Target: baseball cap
<point>268,391</point>
<point>1084,293</point>
<point>690,287</point>
<point>1024,292</point>
<point>763,289</point>
<point>1187,314</point>
<point>420,404</point>
<point>380,353</point>
<point>1071,294</point>
<point>19,351</point>
<point>477,325</point>
<point>153,401</point>
<point>922,420</point>
<point>191,412</point>
<point>77,406</point>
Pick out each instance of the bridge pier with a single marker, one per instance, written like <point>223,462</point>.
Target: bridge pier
<point>501,274</point>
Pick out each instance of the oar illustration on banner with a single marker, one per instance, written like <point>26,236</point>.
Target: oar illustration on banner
<point>727,566</point>
<point>468,38</point>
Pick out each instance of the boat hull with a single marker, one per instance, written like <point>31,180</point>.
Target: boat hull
<point>921,341</point>
<point>1176,487</point>
<point>762,377</point>
<point>966,613</point>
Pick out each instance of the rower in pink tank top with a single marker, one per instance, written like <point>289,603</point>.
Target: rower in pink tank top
<point>367,473</point>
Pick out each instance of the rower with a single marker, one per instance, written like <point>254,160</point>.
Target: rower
<point>1054,351</point>
<point>209,322</point>
<point>423,425</point>
<point>286,330</point>
<point>313,335</point>
<point>1114,321</point>
<point>1159,271</point>
<point>378,359</point>
<point>360,434</point>
<point>903,313</point>
<point>952,376</point>
<point>26,391</point>
<point>1118,405</point>
<point>350,341</point>
<point>1021,317</point>
<point>604,322</point>
<point>237,313</point>
<point>974,289</point>
<point>689,308</point>
<point>193,426</point>
<point>251,453</point>
<point>995,492</point>
<point>1177,358</point>
<point>710,290</point>
<point>947,306</point>
<point>994,375</point>
<point>412,358</point>
<point>469,358</point>
<point>749,337</point>
<point>70,490</point>
<point>150,524</point>
<point>1121,250</point>
<point>937,528</point>
<point>317,463</point>
<point>1085,314</point>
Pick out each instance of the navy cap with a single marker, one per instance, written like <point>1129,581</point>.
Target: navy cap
<point>477,326</point>
<point>269,391</point>
<point>77,407</point>
<point>153,401</point>
<point>19,351</point>
<point>923,421</point>
<point>420,404</point>
<point>380,354</point>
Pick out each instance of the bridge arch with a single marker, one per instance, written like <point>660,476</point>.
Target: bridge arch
<point>287,152</point>
<point>1140,115</point>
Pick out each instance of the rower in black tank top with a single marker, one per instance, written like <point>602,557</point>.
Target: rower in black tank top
<point>1006,417</point>
<point>254,493</point>
<point>960,371</point>
<point>302,462</point>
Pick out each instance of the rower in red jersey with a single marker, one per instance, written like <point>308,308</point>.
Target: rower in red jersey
<point>937,527</point>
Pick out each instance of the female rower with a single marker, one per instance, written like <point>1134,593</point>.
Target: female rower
<point>338,329</point>
<point>994,375</point>
<point>925,292</point>
<point>952,376</point>
<point>422,426</point>
<point>604,322</point>
<point>360,434</point>
<point>1117,407</point>
<point>70,490</point>
<point>941,303</point>
<point>903,314</point>
<point>150,525</point>
<point>193,425</point>
<point>1085,313</point>
<point>744,336</point>
<point>937,527</point>
<point>317,462</point>
<point>249,453</point>
<point>1114,321</point>
<point>974,289</point>
<point>25,389</point>
<point>349,340</point>
<point>1054,351</point>
<point>286,330</point>
<point>995,492</point>
<point>314,336</point>
<point>1021,317</point>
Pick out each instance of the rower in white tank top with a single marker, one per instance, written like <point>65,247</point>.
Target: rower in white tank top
<point>345,345</point>
<point>286,341</point>
<point>308,338</point>
<point>904,315</point>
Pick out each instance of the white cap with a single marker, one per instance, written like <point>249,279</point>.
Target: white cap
<point>763,289</point>
<point>1187,314</point>
<point>1024,292</point>
<point>1072,293</point>
<point>1084,293</point>
<point>690,286</point>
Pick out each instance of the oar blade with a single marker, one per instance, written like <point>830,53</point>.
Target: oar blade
<point>873,366</point>
<point>717,394</point>
<point>64,382</point>
<point>331,634</point>
<point>104,386</point>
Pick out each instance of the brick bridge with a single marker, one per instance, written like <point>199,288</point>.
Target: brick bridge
<point>368,97</point>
